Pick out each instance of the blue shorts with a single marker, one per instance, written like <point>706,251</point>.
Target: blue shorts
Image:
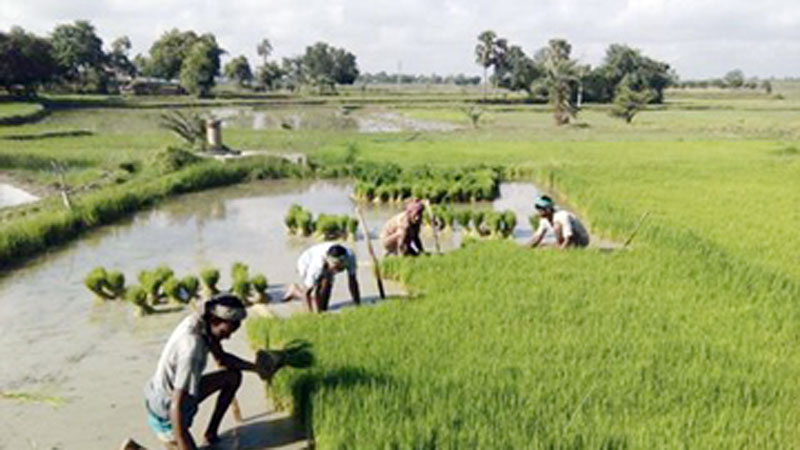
<point>161,427</point>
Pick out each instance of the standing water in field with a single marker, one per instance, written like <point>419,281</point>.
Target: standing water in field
<point>13,196</point>
<point>80,363</point>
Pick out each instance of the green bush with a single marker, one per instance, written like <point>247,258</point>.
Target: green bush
<point>172,159</point>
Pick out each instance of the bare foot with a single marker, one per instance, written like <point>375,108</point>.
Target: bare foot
<point>130,444</point>
<point>211,438</point>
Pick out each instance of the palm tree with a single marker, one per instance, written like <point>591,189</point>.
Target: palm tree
<point>484,53</point>
<point>561,75</point>
<point>264,49</point>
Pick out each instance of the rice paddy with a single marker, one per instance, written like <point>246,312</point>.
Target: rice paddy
<point>686,339</point>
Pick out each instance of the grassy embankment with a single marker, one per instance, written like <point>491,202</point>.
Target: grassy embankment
<point>688,340</point>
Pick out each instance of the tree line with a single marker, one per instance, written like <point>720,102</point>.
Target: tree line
<point>73,58</point>
<point>626,76</point>
<point>434,79</point>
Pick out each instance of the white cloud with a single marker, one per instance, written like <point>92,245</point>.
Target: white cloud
<point>700,38</point>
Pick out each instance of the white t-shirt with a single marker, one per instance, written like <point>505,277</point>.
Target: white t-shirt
<point>310,265</point>
<point>180,367</point>
<point>571,228</point>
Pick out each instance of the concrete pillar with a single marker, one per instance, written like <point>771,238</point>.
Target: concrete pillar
<point>214,134</point>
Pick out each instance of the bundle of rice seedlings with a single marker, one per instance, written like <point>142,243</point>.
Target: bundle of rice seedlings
<point>210,277</point>
<point>352,227</point>
<point>241,281</point>
<point>291,217</point>
<point>455,193</point>
<point>327,227</point>
<point>96,282</point>
<point>305,223</point>
<point>191,285</point>
<point>509,223</point>
<point>478,218</point>
<point>137,296</point>
<point>534,221</point>
<point>115,282</point>
<point>493,223</point>
<point>173,290</point>
<point>383,193</point>
<point>151,282</point>
<point>297,354</point>
<point>259,284</point>
<point>463,219</point>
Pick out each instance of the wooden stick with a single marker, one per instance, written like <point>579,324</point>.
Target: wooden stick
<point>432,218</point>
<point>635,230</point>
<point>375,266</point>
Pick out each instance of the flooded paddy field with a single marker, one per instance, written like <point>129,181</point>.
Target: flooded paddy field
<point>72,362</point>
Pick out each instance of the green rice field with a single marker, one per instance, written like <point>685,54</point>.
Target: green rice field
<point>686,339</point>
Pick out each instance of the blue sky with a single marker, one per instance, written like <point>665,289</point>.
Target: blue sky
<point>700,38</point>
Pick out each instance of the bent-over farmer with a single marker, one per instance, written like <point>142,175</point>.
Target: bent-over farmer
<point>400,235</point>
<point>317,267</point>
<point>178,386</point>
<point>568,230</point>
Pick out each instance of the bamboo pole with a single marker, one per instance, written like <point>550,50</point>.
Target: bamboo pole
<point>375,266</point>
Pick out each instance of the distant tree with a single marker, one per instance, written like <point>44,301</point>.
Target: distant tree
<point>628,101</point>
<point>345,69</point>
<point>142,65</point>
<point>293,72</point>
<point>118,57</point>
<point>169,51</point>
<point>201,66</point>
<point>642,72</point>
<point>561,75</point>
<point>734,78</point>
<point>324,66</point>
<point>26,62</point>
<point>269,76</point>
<point>238,69</point>
<point>767,86</point>
<point>518,71</point>
<point>264,49</point>
<point>79,52</point>
<point>484,54</point>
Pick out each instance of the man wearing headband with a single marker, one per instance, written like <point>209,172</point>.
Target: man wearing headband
<point>178,385</point>
<point>568,230</point>
<point>317,266</point>
<point>400,235</point>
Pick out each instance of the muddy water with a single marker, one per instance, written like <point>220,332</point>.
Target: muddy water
<point>326,118</point>
<point>85,363</point>
<point>13,196</point>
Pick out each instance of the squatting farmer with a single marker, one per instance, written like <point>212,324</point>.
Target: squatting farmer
<point>178,386</point>
<point>400,235</point>
<point>317,266</point>
<point>568,230</point>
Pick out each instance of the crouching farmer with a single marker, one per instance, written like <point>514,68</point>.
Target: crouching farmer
<point>178,386</point>
<point>400,235</point>
<point>568,230</point>
<point>318,266</point>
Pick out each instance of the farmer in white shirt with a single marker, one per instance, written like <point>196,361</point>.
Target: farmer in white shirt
<point>179,385</point>
<point>568,230</point>
<point>317,267</point>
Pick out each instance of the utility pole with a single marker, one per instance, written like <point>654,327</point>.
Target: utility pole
<point>399,71</point>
